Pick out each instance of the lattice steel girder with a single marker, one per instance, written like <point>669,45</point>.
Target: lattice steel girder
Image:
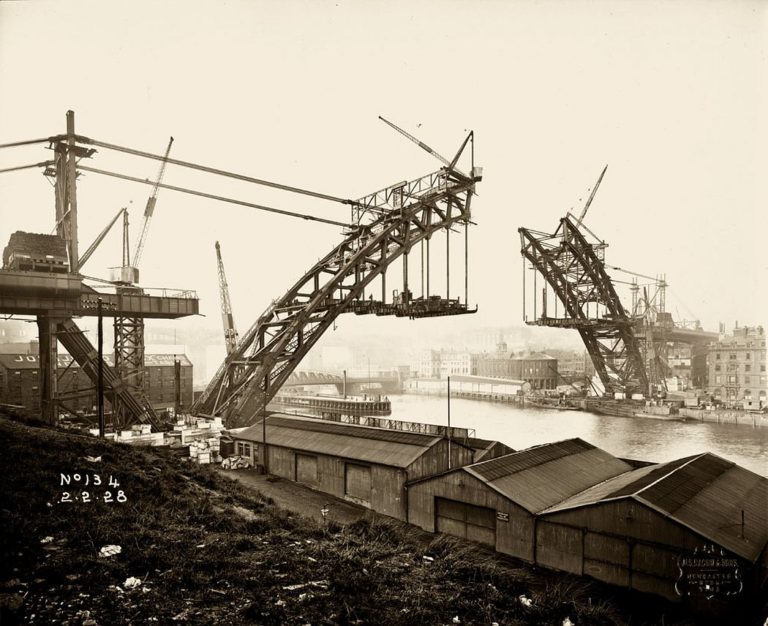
<point>129,366</point>
<point>574,269</point>
<point>272,348</point>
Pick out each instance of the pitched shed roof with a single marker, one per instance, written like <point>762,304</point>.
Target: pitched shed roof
<point>702,492</point>
<point>362,443</point>
<point>484,447</point>
<point>541,476</point>
<point>534,356</point>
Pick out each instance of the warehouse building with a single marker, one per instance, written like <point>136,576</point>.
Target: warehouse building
<point>369,466</point>
<point>496,501</point>
<point>19,382</point>
<point>632,529</point>
<point>539,370</point>
<point>477,387</point>
<point>486,449</point>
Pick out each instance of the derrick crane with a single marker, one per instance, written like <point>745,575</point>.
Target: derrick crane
<point>87,254</point>
<point>591,197</point>
<point>129,330</point>
<point>61,293</point>
<point>423,146</point>
<point>230,332</point>
<point>150,208</point>
<point>385,226</point>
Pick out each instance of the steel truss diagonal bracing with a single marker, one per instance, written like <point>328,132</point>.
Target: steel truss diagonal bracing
<point>385,226</point>
<point>574,269</point>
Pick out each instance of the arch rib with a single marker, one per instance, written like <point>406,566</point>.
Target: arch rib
<point>271,349</point>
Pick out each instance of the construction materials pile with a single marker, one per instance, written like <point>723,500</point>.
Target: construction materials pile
<point>236,462</point>
<point>200,435</point>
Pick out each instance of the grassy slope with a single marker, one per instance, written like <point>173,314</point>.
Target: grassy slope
<point>209,552</point>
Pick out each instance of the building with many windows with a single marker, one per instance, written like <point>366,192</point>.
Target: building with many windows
<point>736,369</point>
<point>537,369</point>
<point>20,386</point>
<point>441,364</point>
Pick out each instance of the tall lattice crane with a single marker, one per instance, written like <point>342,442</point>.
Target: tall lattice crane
<point>230,332</point>
<point>150,208</point>
<point>129,329</point>
<point>591,197</point>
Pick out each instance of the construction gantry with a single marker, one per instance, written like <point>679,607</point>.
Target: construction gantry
<point>52,288</point>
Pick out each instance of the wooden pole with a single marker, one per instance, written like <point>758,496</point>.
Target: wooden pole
<point>100,378</point>
<point>265,457</point>
<point>449,422</point>
<point>70,216</point>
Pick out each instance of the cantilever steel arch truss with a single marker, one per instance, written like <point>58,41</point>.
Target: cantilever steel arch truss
<point>573,267</point>
<point>385,226</point>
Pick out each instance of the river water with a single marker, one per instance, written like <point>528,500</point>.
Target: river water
<point>629,437</point>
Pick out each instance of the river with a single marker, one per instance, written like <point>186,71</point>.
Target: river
<point>628,437</point>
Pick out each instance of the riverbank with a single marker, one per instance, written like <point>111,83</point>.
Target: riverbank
<point>650,439</point>
<point>193,546</point>
<point>738,418</point>
<point>610,408</point>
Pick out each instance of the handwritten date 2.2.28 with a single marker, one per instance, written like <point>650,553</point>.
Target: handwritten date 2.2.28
<point>76,481</point>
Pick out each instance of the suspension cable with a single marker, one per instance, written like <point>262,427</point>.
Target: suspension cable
<point>31,141</point>
<point>26,167</point>
<point>212,196</point>
<point>212,170</point>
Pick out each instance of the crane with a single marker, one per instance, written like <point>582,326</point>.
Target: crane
<point>451,165</point>
<point>230,332</point>
<point>150,208</point>
<point>591,197</point>
<point>87,254</point>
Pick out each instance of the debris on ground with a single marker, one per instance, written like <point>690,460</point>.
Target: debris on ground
<point>110,550</point>
<point>131,582</point>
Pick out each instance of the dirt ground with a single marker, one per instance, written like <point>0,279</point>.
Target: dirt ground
<point>300,499</point>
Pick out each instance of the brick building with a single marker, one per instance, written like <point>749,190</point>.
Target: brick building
<point>573,365</point>
<point>736,366</point>
<point>537,369</point>
<point>19,382</point>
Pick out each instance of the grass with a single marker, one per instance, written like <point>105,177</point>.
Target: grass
<point>208,551</point>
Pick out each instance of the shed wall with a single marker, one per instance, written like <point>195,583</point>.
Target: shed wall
<point>514,535</point>
<point>624,543</point>
<point>435,460</point>
<point>387,493</point>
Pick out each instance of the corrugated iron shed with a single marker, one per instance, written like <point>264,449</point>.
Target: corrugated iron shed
<point>487,448</point>
<point>703,492</point>
<point>362,443</point>
<point>539,477</point>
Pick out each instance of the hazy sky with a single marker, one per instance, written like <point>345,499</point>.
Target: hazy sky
<point>671,95</point>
